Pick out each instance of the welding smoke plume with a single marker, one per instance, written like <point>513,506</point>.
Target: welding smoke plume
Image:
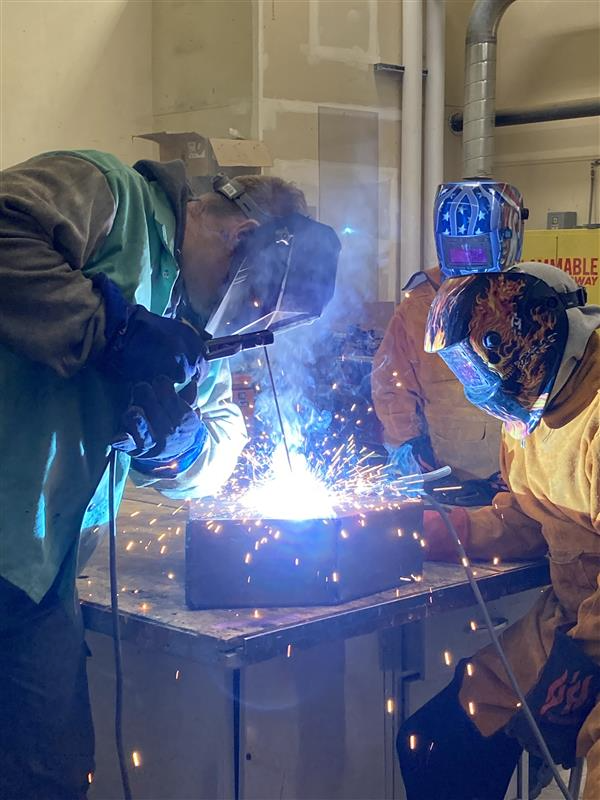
<point>302,375</point>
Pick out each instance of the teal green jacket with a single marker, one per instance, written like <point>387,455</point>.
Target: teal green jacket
<point>65,216</point>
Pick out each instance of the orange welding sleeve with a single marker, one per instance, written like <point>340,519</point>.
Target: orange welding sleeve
<point>588,745</point>
<point>54,211</point>
<point>587,578</point>
<point>397,393</point>
<point>503,530</point>
<point>587,628</point>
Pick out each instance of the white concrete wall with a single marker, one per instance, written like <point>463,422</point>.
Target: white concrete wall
<point>202,64</point>
<point>319,55</point>
<point>75,74</point>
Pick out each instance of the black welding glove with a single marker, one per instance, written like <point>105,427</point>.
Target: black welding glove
<point>562,698</point>
<point>141,345</point>
<point>472,492</point>
<point>167,431</point>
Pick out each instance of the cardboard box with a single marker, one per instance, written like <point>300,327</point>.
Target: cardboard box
<point>207,155</point>
<point>234,563</point>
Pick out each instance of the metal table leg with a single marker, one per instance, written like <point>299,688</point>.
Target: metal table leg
<point>575,779</point>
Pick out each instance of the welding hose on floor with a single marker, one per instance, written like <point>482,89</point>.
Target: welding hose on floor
<point>496,642</point>
<point>116,634</point>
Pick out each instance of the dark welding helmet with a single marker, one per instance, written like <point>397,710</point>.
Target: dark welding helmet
<point>478,225</point>
<point>503,335</point>
<point>282,274</point>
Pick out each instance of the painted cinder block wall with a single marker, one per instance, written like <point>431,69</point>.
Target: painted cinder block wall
<point>75,74</point>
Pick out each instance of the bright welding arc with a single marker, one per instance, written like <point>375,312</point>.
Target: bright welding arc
<point>279,417</point>
<point>500,650</point>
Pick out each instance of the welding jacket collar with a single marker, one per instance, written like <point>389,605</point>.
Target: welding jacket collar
<point>172,178</point>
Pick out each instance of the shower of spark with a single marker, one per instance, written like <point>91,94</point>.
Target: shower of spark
<point>324,483</point>
<point>327,471</point>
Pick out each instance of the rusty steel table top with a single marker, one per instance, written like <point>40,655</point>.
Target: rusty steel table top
<point>151,535</point>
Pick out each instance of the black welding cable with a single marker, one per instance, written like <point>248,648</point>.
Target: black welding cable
<point>279,417</point>
<point>496,641</point>
<point>114,605</point>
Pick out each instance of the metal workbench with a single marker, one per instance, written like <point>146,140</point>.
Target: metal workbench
<point>241,659</point>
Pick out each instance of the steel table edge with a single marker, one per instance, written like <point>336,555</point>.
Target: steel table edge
<point>152,634</point>
<point>394,612</point>
<point>267,644</point>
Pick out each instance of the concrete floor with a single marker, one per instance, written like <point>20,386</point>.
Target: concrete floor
<point>552,792</point>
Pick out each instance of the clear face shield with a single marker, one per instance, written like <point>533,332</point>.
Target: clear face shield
<point>281,276</point>
<point>486,390</point>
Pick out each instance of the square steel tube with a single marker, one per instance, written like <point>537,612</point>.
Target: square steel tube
<point>233,563</point>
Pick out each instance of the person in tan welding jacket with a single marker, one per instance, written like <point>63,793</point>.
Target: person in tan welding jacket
<point>526,347</point>
<point>427,421</point>
<point>100,266</point>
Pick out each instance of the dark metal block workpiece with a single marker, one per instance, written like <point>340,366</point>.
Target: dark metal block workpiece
<point>233,563</point>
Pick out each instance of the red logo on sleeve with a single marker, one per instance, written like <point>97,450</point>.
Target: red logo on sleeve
<point>565,696</point>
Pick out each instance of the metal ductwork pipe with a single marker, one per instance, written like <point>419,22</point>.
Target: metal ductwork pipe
<point>573,109</point>
<point>480,87</point>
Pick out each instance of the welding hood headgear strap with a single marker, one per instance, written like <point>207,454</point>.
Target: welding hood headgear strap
<point>234,191</point>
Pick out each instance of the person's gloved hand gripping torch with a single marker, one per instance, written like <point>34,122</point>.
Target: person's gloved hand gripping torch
<point>162,431</point>
<point>141,345</point>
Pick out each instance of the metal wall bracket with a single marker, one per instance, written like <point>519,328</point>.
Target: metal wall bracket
<point>392,69</point>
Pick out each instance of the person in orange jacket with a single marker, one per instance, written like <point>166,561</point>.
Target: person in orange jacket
<point>426,418</point>
<point>419,401</point>
<point>526,348</point>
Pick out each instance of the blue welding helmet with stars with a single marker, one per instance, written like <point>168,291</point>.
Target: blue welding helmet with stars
<point>478,226</point>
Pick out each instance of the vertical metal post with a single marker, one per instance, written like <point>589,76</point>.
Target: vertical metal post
<point>411,143</point>
<point>575,779</point>
<point>237,733</point>
<point>523,776</point>
<point>593,167</point>
<point>435,120</point>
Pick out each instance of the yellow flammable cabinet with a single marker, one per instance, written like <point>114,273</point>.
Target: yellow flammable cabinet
<point>574,250</point>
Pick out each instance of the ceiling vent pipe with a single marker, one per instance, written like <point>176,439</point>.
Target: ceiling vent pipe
<point>480,87</point>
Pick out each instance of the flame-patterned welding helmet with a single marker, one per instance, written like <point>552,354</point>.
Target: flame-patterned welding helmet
<point>478,225</point>
<point>503,335</point>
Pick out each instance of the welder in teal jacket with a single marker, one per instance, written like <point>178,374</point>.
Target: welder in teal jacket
<point>96,261</point>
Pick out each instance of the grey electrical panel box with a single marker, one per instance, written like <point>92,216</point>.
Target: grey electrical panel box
<point>561,219</point>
